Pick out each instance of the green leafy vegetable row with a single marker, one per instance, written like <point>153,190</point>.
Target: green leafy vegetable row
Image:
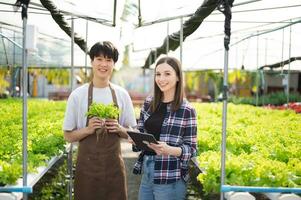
<point>263,146</point>
<point>45,138</point>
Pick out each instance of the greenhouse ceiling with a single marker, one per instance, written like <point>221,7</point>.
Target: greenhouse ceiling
<point>263,32</point>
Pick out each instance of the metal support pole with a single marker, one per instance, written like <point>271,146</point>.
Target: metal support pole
<point>114,11</point>
<point>181,40</point>
<point>167,41</point>
<point>14,49</point>
<point>224,121</point>
<point>282,64</point>
<point>72,54</point>
<point>139,14</point>
<point>24,122</point>
<point>225,8</point>
<point>70,172</point>
<point>257,72</point>
<point>282,51</point>
<point>262,72</point>
<point>13,80</point>
<point>86,53</point>
<point>70,164</point>
<point>289,66</point>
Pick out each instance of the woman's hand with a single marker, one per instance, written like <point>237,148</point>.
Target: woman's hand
<point>161,149</point>
<point>93,124</point>
<point>165,150</point>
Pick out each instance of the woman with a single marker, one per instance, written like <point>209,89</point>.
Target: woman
<point>100,170</point>
<point>172,120</point>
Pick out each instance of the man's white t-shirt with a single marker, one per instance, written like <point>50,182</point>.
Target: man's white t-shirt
<point>77,106</point>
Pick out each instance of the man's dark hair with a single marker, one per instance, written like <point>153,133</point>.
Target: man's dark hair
<point>106,49</point>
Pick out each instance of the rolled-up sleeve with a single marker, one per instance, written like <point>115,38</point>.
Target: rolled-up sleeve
<point>140,125</point>
<point>189,146</point>
<point>143,113</point>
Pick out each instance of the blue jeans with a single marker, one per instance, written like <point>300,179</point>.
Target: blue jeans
<point>150,191</point>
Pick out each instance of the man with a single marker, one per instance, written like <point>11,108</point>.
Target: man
<point>100,171</point>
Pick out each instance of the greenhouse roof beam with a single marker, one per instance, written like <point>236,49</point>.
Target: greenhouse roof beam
<point>187,15</point>
<point>97,20</point>
<point>6,37</point>
<point>281,64</point>
<point>189,27</point>
<point>258,34</point>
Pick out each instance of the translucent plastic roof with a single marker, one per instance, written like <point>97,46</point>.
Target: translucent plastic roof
<point>101,11</point>
<point>201,50</point>
<point>204,48</point>
<point>54,45</point>
<point>51,51</point>
<point>156,10</point>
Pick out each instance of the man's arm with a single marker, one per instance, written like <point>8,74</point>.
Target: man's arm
<point>77,135</point>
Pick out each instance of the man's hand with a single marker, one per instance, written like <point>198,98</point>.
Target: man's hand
<point>113,126</point>
<point>93,124</point>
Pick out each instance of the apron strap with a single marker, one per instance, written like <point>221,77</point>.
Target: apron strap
<point>114,97</point>
<point>90,97</point>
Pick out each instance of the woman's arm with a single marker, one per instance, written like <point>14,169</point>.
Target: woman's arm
<point>189,146</point>
<point>164,149</point>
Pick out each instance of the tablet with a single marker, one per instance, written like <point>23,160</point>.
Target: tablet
<point>142,139</point>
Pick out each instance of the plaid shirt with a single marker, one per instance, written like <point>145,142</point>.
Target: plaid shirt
<point>178,129</point>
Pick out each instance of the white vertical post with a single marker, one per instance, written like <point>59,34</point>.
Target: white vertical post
<point>86,53</point>
<point>24,122</point>
<point>72,54</point>
<point>257,72</point>
<point>70,165</point>
<point>181,41</point>
<point>282,50</point>
<point>224,120</point>
<point>228,16</point>
<point>167,36</point>
<point>289,65</point>
<point>265,63</point>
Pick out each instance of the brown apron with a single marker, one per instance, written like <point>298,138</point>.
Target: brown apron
<point>100,170</point>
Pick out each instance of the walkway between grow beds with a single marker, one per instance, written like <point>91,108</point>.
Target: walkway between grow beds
<point>133,181</point>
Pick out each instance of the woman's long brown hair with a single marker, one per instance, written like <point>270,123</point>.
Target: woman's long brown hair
<point>179,93</point>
